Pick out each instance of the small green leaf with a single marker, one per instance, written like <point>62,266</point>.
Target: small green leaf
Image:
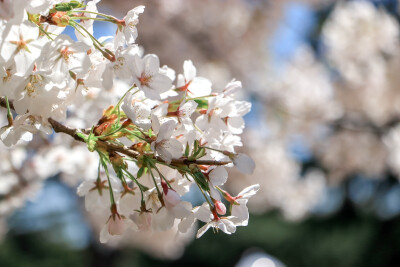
<point>195,148</point>
<point>201,180</point>
<point>202,103</point>
<point>140,172</point>
<point>200,153</point>
<point>69,6</point>
<point>187,150</point>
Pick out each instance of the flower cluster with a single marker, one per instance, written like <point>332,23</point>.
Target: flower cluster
<point>163,134</point>
<point>331,112</point>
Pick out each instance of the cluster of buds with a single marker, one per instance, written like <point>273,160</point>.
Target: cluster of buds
<point>166,136</point>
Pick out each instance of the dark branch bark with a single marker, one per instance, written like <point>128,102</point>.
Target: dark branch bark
<point>111,147</point>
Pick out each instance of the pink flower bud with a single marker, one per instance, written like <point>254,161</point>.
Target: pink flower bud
<point>116,225</point>
<point>221,209</point>
<point>171,198</point>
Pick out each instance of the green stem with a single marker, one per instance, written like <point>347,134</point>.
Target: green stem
<point>94,40</point>
<point>44,31</point>
<point>98,173</point>
<point>161,175</point>
<point>205,196</point>
<point>218,150</point>
<point>89,18</point>
<point>122,98</point>
<point>199,97</point>
<point>92,12</point>
<point>9,114</point>
<point>108,178</point>
<point>136,181</point>
<point>134,134</point>
<point>154,180</point>
<point>171,166</point>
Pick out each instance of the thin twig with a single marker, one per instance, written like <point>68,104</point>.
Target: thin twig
<point>111,147</point>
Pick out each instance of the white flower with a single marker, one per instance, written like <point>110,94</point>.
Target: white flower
<point>97,195</point>
<point>121,67</point>
<point>212,120</point>
<point>91,6</point>
<point>137,111</point>
<point>166,146</point>
<point>240,211</point>
<point>23,128</point>
<point>201,213</point>
<point>22,45</point>
<point>41,93</point>
<point>224,224</point>
<point>8,80</point>
<point>148,78</point>
<point>127,32</point>
<point>142,220</point>
<point>129,202</point>
<point>358,36</point>
<point>63,55</point>
<point>116,226</point>
<point>188,82</point>
<point>232,87</point>
<point>164,218</point>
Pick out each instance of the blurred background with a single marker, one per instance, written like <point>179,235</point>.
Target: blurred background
<point>324,130</point>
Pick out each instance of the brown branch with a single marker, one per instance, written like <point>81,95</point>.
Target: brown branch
<point>111,147</point>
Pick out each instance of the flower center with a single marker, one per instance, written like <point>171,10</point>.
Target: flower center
<point>144,79</point>
<point>66,53</point>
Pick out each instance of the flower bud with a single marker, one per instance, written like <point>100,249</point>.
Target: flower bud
<point>117,161</point>
<point>220,207</point>
<point>171,198</point>
<point>61,19</point>
<point>92,144</point>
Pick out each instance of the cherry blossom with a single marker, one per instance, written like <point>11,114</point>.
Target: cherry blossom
<point>148,78</point>
<point>127,31</point>
<point>166,146</point>
<point>113,122</point>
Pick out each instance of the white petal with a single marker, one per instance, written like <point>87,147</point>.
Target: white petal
<point>151,65</point>
<point>200,87</point>
<point>116,226</point>
<point>182,210</point>
<point>171,198</point>
<point>241,212</point>
<point>189,70</point>
<point>104,235</point>
<point>218,176</point>
<point>186,223</point>
<point>129,203</point>
<point>203,213</point>
<point>166,130</point>
<point>204,229</point>
<point>236,125</point>
<point>229,228</point>
<point>249,191</point>
<point>244,163</point>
